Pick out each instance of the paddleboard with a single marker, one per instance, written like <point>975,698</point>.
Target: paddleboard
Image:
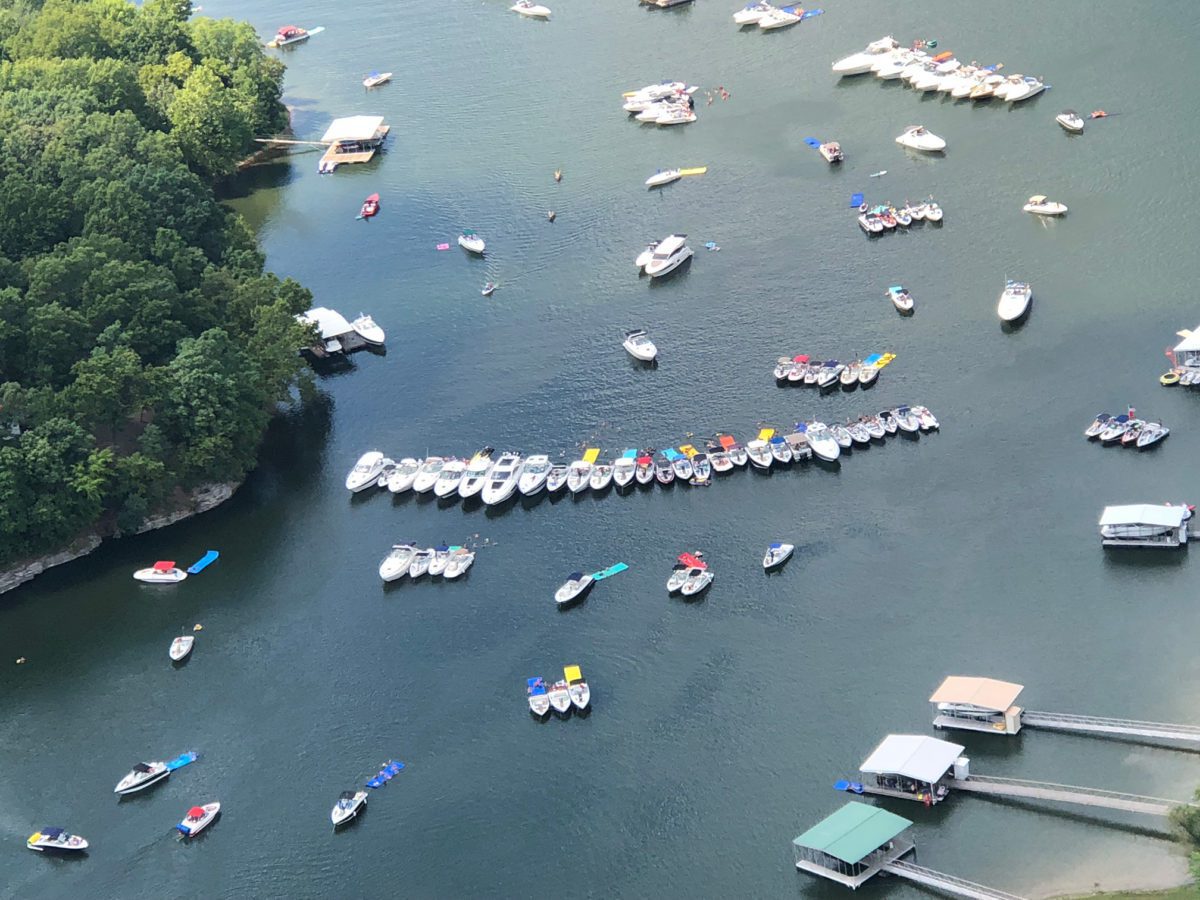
<point>877,174</point>
<point>203,562</point>
<point>884,360</point>
<point>591,454</point>
<point>699,170</point>
<point>766,434</point>
<point>611,570</point>
<point>182,760</point>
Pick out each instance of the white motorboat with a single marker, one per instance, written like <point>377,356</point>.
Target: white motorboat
<point>624,469</point>
<point>682,467</point>
<point>601,477</point>
<point>669,255</point>
<point>639,346</point>
<point>892,64</point>
<point>441,559</point>
<point>530,9</point>
<point>643,258</point>
<point>915,137</point>
<point>738,454</point>
<point>347,807</point>
<point>780,18</point>
<point>664,472</point>
<point>1097,426</point>
<point>783,368</point>
<point>931,80</point>
<point>471,242</point>
<point>460,560</point>
<point>870,224</point>
<point>655,108</point>
<point>578,475</point>
<point>987,87</point>
<point>968,83</point>
<point>1010,83</point>
<point>181,647</point>
<point>652,93</point>
<point>502,480</point>
<point>751,13</point>
<point>889,421</point>
<point>364,326</point>
<point>1029,87</point>
<point>1151,433</point>
<point>718,458</point>
<point>375,79</point>
<point>1114,429</point>
<point>759,453</point>
<point>875,429</point>
<point>539,698</point>
<point>696,581</point>
<point>679,574</point>
<point>900,298</point>
<point>534,474</point>
<point>932,212</point>
<point>927,419</point>
<point>781,450</point>
<point>450,478</point>
<point>365,472</point>
<point>858,432</point>
<point>829,373</point>
<point>560,697</point>
<point>777,554</point>
<point>142,776</point>
<point>1070,120</point>
<point>1040,206</point>
<point>916,66</point>
<point>643,469</point>
<point>678,114</point>
<point>198,818</point>
<point>661,177</point>
<point>556,479</point>
<point>906,420</point>
<point>395,564</point>
<point>427,474</point>
<point>1014,301</point>
<point>861,62</point>
<point>475,476</point>
<point>401,478</point>
<point>421,560</point>
<point>701,467</point>
<point>581,694</point>
<point>56,839</point>
<point>162,572</point>
<point>573,588</point>
<point>822,442</point>
<point>842,435</point>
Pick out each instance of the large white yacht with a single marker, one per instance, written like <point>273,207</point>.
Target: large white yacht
<point>669,255</point>
<point>502,482</point>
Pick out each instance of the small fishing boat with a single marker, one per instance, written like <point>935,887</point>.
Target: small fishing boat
<point>644,471</point>
<point>916,137</point>
<point>639,346</point>
<point>471,242</point>
<point>832,152</point>
<point>777,554</point>
<point>441,559</point>
<point>664,472</point>
<point>576,585</point>
<point>450,478</point>
<point>428,473</point>
<point>142,776</point>
<point>624,468</point>
<point>1040,206</point>
<point>601,477</point>
<point>842,435</point>
<point>581,694</point>
<point>162,572</point>
<point>539,699</point>
<point>560,697</point>
<point>181,647</point>
<point>1070,120</point>
<point>460,560</point>
<point>1097,426</point>
<point>56,839</point>
<point>347,807</point>
<point>402,476</point>
<point>1014,301</point>
<point>781,450</point>
<point>927,419</point>
<point>1116,427</point>
<point>530,10</point>
<point>365,472</point>
<point>906,420</point>
<point>198,818</point>
<point>395,565</point>
<point>1151,433</point>
<point>375,79</point>
<point>663,177</point>
<point>556,479</point>
<point>488,289</point>
<point>420,562</point>
<point>889,421</point>
<point>534,474</point>
<point>369,208</point>
<point>696,581</point>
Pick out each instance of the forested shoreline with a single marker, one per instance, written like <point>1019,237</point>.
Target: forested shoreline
<point>142,345</point>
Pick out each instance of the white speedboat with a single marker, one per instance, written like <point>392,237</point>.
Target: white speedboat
<point>578,475</point>
<point>1070,121</point>
<point>966,84</point>
<point>623,471</point>
<point>560,697</point>
<point>365,472</point>
<point>751,13</point>
<point>669,255</point>
<point>475,476</point>
<point>777,554</point>
<point>871,224</point>
<point>1040,206</point>
<point>1014,301</point>
<point>556,479</point>
<point>644,471</point>
<point>701,467</point>
<point>198,818</point>
<point>534,474</point>
<point>643,258</point>
<point>655,108</point>
<point>1029,87</point>
<point>900,298</point>
<point>401,478</point>
<point>858,431</point>
<point>678,114</point>
<point>530,9</point>
<point>1114,429</point>
<point>892,65</point>
<point>822,442</point>
<point>889,421</point>
<point>1097,426</point>
<point>460,560</point>
<point>375,79</point>
<point>347,807</point>
<point>829,373</point>
<point>915,137</point>
<point>780,18</point>
<point>573,588</point>
<point>664,472</point>
<point>421,560</point>
<point>682,467</point>
<point>57,839</point>
<point>395,564</point>
<point>906,420</point>
<point>639,346</point>
<point>842,435</point>
<point>759,453</point>
<point>927,419</point>
<point>1151,433</point>
<point>581,694</point>
<point>738,455</point>
<point>679,574</point>
<point>861,62</point>
<point>986,88</point>
<point>162,572</point>
<point>718,458</point>
<point>874,426</point>
<point>637,101</point>
<point>366,328</point>
<point>781,450</point>
<point>142,776</point>
<point>428,473</point>
<point>696,581</point>
<point>539,698</point>
<point>441,559</point>
<point>932,212</point>
<point>471,242</point>
<point>601,477</point>
<point>450,478</point>
<point>181,647</point>
<point>502,480</point>
<point>661,177</point>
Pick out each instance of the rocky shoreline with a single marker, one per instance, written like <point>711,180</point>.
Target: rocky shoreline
<point>195,502</point>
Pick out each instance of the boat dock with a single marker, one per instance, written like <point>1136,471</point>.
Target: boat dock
<point>1019,788</point>
<point>948,884</point>
<point>1102,725</point>
<point>353,139</point>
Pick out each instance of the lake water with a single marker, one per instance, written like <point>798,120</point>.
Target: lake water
<point>718,727</point>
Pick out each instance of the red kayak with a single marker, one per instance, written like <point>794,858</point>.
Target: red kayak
<point>370,207</point>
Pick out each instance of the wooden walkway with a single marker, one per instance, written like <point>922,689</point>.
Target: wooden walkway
<point>1101,725</point>
<point>1065,793</point>
<point>942,882</point>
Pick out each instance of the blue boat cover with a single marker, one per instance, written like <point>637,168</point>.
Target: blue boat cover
<point>182,760</point>
<point>611,570</point>
<point>574,576</point>
<point>801,428</point>
<point>629,454</point>
<point>812,142</point>
<point>809,13</point>
<point>534,682</point>
<point>872,359</point>
<point>671,453</point>
<point>841,785</point>
<point>776,545</point>
<point>441,548</point>
<point>203,562</point>
<point>776,440</point>
<point>856,200</point>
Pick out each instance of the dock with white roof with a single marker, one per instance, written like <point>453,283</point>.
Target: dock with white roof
<point>352,139</point>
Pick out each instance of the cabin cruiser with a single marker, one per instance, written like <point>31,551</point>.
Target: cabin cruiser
<point>347,807</point>
<point>560,697</point>
<point>198,818</point>
<point>639,346</point>
<point>777,554</point>
<point>669,255</point>
<point>502,481</point>
<point>427,474</point>
<point>644,471</point>
<point>663,177</point>
<point>696,581</point>
<point>181,646</point>
<point>421,561</point>
<point>780,18</point>
<point>759,453</point>
<point>655,108</point>
<point>534,474</point>
<point>1029,87</point>
<point>579,474</point>
<point>142,776</point>
<point>915,137</point>
<point>751,13</point>
<point>1040,206</point>
<point>822,442</point>
<point>1014,301</point>
<point>162,572</point>
<point>861,62</point>
<point>476,473</point>
<point>831,151</point>
<point>1070,120</point>
<point>366,471</point>
<point>460,560</point>
<point>395,564</point>
<point>471,242</point>
<point>664,472</point>
<point>364,326</point>
<point>556,479</point>
<point>638,100</point>
<point>530,9</point>
<point>624,468</point>
<point>900,298</point>
<point>401,478</point>
<point>601,477</point>
<point>581,694</point>
<point>54,838</point>
<point>573,588</point>
<point>450,478</point>
<point>893,64</point>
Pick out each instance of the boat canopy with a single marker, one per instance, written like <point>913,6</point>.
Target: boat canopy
<point>346,795</point>
<point>802,358</point>
<point>982,693</point>
<point>853,832</point>
<point>1191,341</point>
<point>692,561</point>
<point>329,322</point>
<point>1145,514</point>
<point>352,128</point>
<point>142,767</point>
<point>1038,198</point>
<point>574,576</point>
<point>196,812</point>
<point>797,439</point>
<point>642,460</point>
<point>164,565</point>
<point>572,674</point>
<point>289,30</point>
<point>913,756</point>
<point>52,832</point>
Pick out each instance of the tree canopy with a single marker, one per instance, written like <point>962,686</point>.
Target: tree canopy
<point>142,345</point>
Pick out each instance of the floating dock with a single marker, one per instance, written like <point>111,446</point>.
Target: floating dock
<point>353,139</point>
<point>1018,788</point>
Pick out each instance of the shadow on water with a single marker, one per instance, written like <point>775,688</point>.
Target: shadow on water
<point>276,173</point>
<point>1072,816</point>
<point>1144,557</point>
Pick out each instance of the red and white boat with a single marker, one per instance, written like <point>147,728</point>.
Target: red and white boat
<point>370,207</point>
<point>292,34</point>
<point>197,819</point>
<point>162,572</point>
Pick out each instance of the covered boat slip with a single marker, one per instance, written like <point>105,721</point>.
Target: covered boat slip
<point>352,139</point>
<point>977,704</point>
<point>1144,525</point>
<point>852,844</point>
<point>913,767</point>
<point>337,334</point>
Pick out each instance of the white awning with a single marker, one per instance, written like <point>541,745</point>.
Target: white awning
<point>1144,514</point>
<point>981,693</point>
<point>1191,342</point>
<point>352,128</point>
<point>330,322</point>
<point>912,756</point>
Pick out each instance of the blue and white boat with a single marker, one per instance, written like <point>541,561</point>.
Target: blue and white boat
<point>539,696</point>
<point>777,554</point>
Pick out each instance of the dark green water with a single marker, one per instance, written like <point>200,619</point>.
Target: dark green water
<point>718,727</point>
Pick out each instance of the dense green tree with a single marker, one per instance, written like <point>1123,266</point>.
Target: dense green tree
<point>108,387</point>
<point>211,124</point>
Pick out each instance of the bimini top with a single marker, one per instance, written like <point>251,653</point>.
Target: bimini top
<point>331,323</point>
<point>1191,340</point>
<point>164,565</point>
<point>352,128</point>
<point>912,756</point>
<point>852,832</point>
<point>1145,514</point>
<point>982,693</point>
